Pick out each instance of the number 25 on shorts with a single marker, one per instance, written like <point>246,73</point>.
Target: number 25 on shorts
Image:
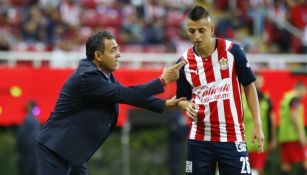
<point>245,165</point>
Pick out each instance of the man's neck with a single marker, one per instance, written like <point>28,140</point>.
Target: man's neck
<point>100,68</point>
<point>208,50</point>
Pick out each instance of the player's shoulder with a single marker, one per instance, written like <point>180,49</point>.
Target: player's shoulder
<point>224,44</point>
<point>235,47</point>
<point>237,51</point>
<point>184,55</point>
<point>230,46</point>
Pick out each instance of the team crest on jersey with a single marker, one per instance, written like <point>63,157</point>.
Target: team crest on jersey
<point>223,63</point>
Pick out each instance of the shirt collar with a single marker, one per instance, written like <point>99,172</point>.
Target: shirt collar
<point>107,75</point>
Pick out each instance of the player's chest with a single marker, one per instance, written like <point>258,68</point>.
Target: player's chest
<point>208,70</point>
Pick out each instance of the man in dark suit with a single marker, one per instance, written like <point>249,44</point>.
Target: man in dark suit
<point>87,108</point>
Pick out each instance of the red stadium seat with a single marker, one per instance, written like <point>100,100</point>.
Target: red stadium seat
<point>18,3</point>
<point>112,18</point>
<point>24,63</point>
<point>14,19</point>
<point>29,47</point>
<point>114,30</point>
<point>88,4</point>
<point>84,33</point>
<point>175,18</point>
<point>171,32</point>
<point>90,18</point>
<point>221,4</point>
<point>131,48</point>
<point>23,47</point>
<point>295,44</point>
<point>155,49</point>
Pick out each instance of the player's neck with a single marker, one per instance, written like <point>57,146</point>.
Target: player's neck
<point>207,50</point>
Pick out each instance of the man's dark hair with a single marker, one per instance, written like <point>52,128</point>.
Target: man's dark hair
<point>198,12</point>
<point>96,43</point>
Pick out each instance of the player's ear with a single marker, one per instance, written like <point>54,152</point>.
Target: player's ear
<point>212,28</point>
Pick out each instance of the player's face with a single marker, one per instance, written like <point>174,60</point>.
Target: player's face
<point>200,32</point>
<point>110,56</point>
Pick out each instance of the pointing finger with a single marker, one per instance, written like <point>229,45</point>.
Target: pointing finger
<point>182,98</point>
<point>174,98</point>
<point>178,65</point>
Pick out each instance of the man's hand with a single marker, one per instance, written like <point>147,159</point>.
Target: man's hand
<point>257,134</point>
<point>190,108</point>
<point>172,102</point>
<point>171,74</point>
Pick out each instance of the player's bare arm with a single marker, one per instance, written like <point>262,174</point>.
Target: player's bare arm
<point>253,104</point>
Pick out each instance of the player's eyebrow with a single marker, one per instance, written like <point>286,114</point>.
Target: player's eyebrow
<point>191,28</point>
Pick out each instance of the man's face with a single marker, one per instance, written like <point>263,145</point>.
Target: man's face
<point>200,32</point>
<point>109,58</point>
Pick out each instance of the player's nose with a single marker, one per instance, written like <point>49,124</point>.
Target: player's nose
<point>196,36</point>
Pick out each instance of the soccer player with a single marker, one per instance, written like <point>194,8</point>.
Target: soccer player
<point>258,160</point>
<point>291,133</point>
<point>215,70</point>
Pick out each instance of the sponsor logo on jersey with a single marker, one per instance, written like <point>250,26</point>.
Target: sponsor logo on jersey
<point>213,91</point>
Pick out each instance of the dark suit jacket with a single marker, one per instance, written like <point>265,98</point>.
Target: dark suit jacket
<point>87,109</point>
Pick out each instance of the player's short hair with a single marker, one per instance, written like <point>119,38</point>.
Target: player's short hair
<point>198,12</point>
<point>96,43</point>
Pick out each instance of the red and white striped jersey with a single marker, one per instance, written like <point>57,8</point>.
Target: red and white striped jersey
<point>213,83</point>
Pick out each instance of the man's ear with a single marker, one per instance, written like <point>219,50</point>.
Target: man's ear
<point>98,55</point>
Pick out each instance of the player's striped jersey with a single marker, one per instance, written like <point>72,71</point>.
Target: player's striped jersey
<point>213,83</point>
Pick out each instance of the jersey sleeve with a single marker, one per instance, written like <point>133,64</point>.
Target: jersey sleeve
<point>184,88</point>
<point>243,69</point>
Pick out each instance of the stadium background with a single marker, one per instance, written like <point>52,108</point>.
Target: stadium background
<point>41,42</point>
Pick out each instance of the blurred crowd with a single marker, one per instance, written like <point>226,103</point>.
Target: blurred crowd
<point>280,25</point>
<point>150,25</point>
